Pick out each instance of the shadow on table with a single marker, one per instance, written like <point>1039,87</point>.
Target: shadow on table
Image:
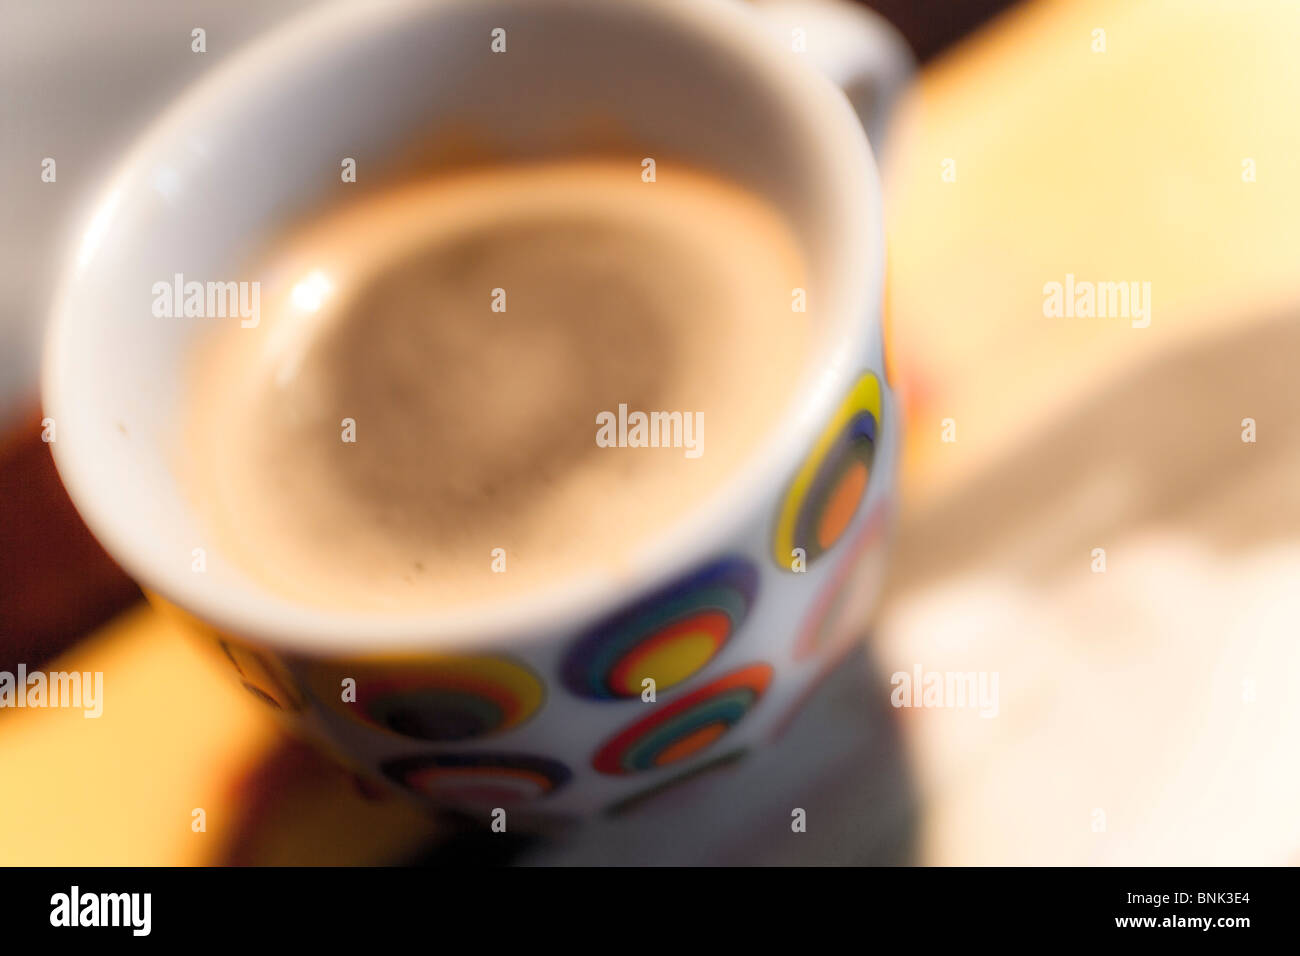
<point>1160,446</point>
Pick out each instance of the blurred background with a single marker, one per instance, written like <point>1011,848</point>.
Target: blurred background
<point>1147,714</point>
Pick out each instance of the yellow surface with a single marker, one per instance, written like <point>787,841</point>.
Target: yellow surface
<point>176,734</point>
<point>1115,166</point>
<point>121,789</point>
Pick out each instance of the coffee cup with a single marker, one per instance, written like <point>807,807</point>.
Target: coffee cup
<point>617,681</point>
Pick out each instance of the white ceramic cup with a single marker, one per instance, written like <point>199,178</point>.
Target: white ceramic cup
<point>532,702</point>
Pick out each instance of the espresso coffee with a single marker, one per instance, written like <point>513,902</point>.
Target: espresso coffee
<point>448,397</point>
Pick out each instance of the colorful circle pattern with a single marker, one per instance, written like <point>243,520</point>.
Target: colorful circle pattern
<point>668,636</point>
<point>841,615</point>
<point>843,608</point>
<point>434,698</point>
<point>479,779</point>
<point>825,494</point>
<point>685,727</point>
<point>653,793</point>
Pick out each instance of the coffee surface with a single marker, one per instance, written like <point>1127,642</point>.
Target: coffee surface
<point>427,381</point>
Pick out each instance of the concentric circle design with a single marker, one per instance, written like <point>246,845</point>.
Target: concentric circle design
<point>685,727</point>
<point>843,608</point>
<point>668,636</point>
<point>433,698</point>
<point>652,793</point>
<point>479,779</point>
<point>821,501</point>
<point>841,615</point>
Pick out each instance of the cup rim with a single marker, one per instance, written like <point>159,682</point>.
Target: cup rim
<point>708,530</point>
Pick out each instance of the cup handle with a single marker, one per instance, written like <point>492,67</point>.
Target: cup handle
<point>854,46</point>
